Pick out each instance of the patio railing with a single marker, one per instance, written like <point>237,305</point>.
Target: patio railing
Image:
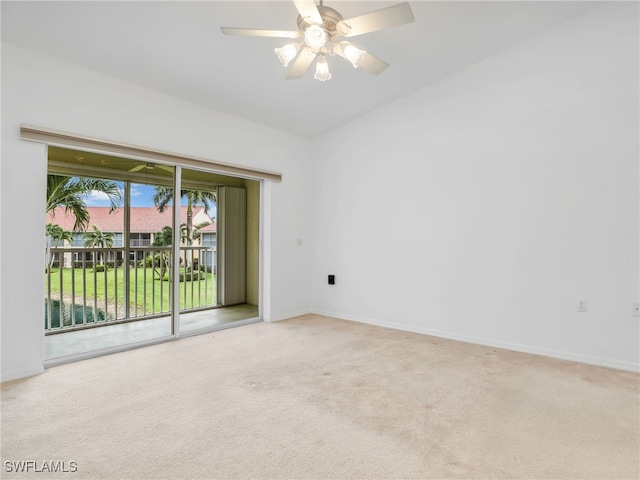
<point>89,287</point>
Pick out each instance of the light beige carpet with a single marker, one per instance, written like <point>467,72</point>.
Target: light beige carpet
<point>319,398</point>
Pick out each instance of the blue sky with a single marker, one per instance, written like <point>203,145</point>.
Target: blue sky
<point>141,196</point>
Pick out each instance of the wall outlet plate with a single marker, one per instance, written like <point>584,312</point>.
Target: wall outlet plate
<point>582,305</point>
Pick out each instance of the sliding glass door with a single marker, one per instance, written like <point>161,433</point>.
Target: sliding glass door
<point>152,251</point>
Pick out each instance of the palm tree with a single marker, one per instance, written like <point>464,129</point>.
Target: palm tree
<point>164,197</point>
<point>58,234</point>
<point>99,239</point>
<point>68,192</point>
<point>196,230</point>
<point>164,237</point>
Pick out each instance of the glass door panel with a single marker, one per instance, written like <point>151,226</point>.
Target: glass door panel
<point>108,281</point>
<point>198,289</point>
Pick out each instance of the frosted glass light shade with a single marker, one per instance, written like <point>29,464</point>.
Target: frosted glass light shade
<point>315,36</point>
<point>353,54</point>
<point>287,53</point>
<point>322,70</point>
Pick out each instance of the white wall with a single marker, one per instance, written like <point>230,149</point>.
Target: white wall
<point>481,208</point>
<point>44,92</point>
<point>485,207</point>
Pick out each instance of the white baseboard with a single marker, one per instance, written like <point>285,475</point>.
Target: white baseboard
<point>287,316</point>
<point>562,355</point>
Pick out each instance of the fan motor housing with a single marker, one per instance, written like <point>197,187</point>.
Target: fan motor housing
<point>330,18</point>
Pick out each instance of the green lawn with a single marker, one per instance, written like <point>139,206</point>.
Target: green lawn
<point>148,294</point>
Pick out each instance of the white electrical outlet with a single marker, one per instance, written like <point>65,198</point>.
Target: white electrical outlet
<point>636,310</point>
<point>582,305</point>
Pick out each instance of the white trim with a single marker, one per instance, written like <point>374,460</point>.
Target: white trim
<point>264,299</point>
<point>290,315</point>
<point>516,347</point>
<point>262,212</point>
<point>175,253</point>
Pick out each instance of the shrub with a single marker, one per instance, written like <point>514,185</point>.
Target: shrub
<point>157,260</point>
<point>187,276</point>
<point>79,311</point>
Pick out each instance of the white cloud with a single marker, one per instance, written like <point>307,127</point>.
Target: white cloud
<point>98,199</point>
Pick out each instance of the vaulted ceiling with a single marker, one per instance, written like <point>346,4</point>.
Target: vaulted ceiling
<point>176,47</point>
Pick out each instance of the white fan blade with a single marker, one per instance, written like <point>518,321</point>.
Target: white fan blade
<point>301,64</point>
<point>372,64</point>
<point>255,32</point>
<point>369,62</point>
<point>308,11</point>
<point>138,168</point>
<point>370,22</point>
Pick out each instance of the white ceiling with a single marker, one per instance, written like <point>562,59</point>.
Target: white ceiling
<point>176,47</point>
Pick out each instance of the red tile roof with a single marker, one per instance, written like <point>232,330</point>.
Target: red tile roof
<point>143,219</point>
<point>212,227</point>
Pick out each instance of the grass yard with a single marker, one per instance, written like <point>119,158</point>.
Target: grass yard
<point>148,294</point>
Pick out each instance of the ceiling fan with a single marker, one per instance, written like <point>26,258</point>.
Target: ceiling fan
<point>322,31</point>
<point>151,166</point>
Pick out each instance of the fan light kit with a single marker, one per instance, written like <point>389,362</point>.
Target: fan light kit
<point>320,29</point>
